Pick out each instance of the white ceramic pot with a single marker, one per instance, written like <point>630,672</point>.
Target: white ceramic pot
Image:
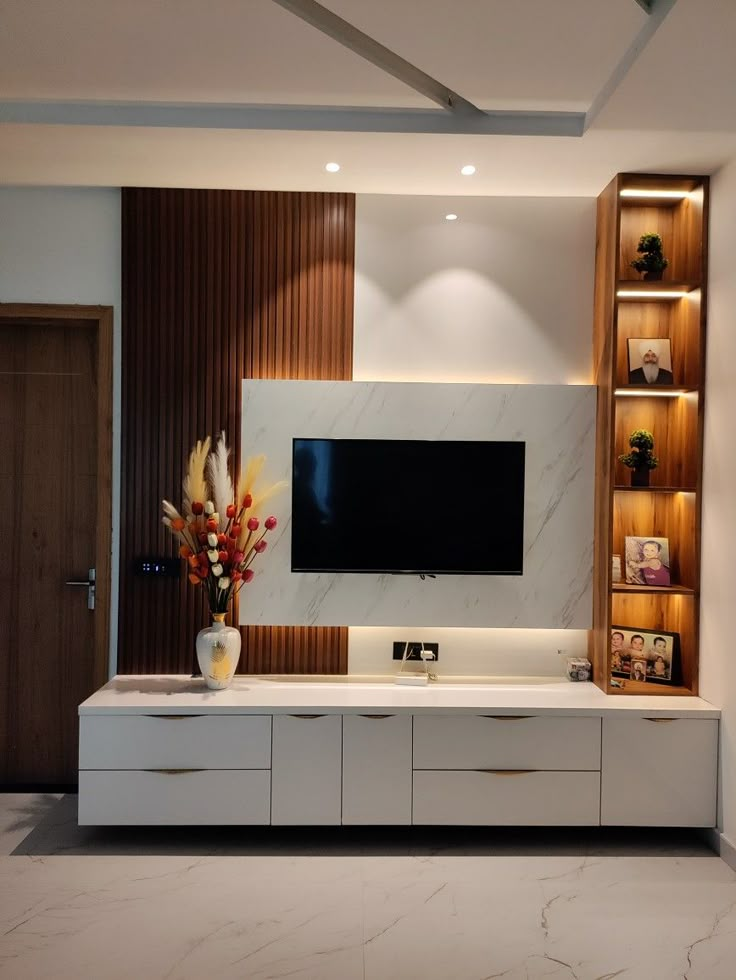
<point>218,652</point>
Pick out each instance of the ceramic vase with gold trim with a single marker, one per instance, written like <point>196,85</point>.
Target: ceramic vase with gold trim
<point>218,652</point>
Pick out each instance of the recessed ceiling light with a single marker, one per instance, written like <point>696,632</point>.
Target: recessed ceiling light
<point>332,168</point>
<point>468,170</point>
<point>450,217</point>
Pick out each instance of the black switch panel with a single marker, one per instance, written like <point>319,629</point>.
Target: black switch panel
<point>155,567</point>
<point>415,651</point>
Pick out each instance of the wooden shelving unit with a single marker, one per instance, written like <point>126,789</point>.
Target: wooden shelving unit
<point>675,207</point>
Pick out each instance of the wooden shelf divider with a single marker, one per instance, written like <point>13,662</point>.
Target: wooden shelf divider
<point>670,507</point>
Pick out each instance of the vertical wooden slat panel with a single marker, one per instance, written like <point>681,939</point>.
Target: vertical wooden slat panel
<point>218,286</point>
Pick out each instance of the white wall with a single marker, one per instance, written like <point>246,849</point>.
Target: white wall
<point>503,294</point>
<point>718,658</point>
<point>62,245</point>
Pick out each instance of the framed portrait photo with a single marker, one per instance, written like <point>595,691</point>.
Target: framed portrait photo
<point>647,561</point>
<point>645,655</point>
<point>650,361</point>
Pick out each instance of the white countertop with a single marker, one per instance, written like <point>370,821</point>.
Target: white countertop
<point>180,694</point>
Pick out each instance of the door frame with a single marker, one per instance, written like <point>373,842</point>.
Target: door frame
<point>100,319</point>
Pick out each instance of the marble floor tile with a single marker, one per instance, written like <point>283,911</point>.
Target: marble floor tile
<point>209,903</point>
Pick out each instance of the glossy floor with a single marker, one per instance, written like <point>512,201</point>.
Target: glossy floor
<point>356,905</point>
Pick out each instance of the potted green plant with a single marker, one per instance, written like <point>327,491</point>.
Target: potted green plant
<point>641,459</point>
<point>652,262</point>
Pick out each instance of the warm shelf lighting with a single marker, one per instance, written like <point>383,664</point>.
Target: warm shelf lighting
<point>648,394</point>
<point>468,170</point>
<point>643,192</point>
<point>332,168</point>
<point>450,217</point>
<point>651,293</point>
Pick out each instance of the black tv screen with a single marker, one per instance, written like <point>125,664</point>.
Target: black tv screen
<point>407,506</point>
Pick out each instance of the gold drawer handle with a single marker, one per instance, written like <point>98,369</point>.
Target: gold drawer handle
<point>175,717</point>
<point>174,772</point>
<point>506,772</point>
<point>507,717</point>
<point>307,717</point>
<point>660,720</point>
<point>375,717</point>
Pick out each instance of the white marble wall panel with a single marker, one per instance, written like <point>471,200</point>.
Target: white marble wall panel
<point>557,423</point>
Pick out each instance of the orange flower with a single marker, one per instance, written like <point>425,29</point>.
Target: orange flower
<point>194,579</point>
<point>185,551</point>
<point>178,524</point>
<point>193,561</point>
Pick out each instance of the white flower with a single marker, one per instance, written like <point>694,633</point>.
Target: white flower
<point>217,569</point>
<point>213,555</point>
<point>209,507</point>
<point>224,583</point>
<point>215,517</point>
<point>212,539</point>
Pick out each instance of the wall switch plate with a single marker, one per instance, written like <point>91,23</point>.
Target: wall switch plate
<point>415,650</point>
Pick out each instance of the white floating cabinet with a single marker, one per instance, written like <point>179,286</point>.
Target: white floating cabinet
<point>659,772</point>
<point>306,784</point>
<point>376,769</point>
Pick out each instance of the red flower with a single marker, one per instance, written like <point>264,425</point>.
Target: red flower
<point>235,531</point>
<point>202,537</point>
<point>230,510</point>
<point>238,556</point>
<point>222,556</point>
<point>271,523</point>
<point>247,501</point>
<point>203,571</point>
<point>221,538</point>
<point>248,575</point>
<point>211,525</point>
<point>253,523</point>
<point>202,559</point>
<point>260,546</point>
<point>197,508</point>
<point>236,575</point>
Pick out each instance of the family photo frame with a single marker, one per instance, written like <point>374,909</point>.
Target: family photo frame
<point>647,561</point>
<point>650,361</point>
<point>651,656</point>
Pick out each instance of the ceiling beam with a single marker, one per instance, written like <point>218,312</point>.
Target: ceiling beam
<point>377,54</point>
<point>292,117</point>
<point>658,10</point>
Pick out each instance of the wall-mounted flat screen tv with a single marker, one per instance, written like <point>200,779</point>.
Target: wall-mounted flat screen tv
<point>408,506</point>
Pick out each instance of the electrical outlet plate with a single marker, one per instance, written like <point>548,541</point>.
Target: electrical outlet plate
<point>415,650</point>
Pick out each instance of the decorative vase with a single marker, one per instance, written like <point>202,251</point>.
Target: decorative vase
<point>640,477</point>
<point>218,652</point>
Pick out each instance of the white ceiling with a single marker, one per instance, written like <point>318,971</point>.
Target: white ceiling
<point>674,111</point>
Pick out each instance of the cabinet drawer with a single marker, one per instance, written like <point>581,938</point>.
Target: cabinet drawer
<point>507,798</point>
<point>376,769</point>
<point>174,742</point>
<point>659,772</point>
<point>506,742</point>
<point>211,797</point>
<point>307,770</point>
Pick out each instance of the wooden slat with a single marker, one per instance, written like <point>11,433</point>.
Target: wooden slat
<point>218,286</point>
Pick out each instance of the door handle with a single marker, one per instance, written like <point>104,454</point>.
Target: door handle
<point>89,585</point>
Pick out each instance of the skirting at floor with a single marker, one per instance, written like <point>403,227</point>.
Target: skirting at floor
<point>349,904</point>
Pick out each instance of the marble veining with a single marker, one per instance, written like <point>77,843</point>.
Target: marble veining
<point>557,423</point>
<point>119,905</point>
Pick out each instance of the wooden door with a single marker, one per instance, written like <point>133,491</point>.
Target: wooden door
<point>54,527</point>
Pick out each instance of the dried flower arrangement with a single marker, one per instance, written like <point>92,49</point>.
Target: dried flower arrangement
<point>219,530</point>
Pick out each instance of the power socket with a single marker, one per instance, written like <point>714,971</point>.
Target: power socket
<point>415,651</point>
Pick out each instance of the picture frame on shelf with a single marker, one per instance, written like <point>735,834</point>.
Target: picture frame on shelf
<point>647,561</point>
<point>650,361</point>
<point>646,655</point>
<point>616,573</point>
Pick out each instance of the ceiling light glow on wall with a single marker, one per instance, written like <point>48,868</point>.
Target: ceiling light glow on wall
<point>643,192</point>
<point>468,170</point>
<point>450,217</point>
<point>332,168</point>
